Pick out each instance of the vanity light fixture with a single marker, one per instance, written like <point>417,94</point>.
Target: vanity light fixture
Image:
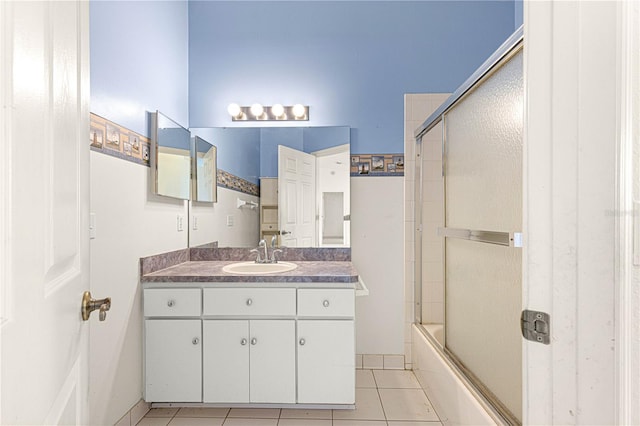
<point>277,112</point>
<point>299,111</point>
<point>236,112</point>
<point>257,111</point>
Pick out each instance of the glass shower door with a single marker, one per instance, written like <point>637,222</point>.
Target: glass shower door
<point>483,192</point>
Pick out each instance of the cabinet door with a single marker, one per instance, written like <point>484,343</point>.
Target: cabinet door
<point>226,360</point>
<point>173,360</point>
<point>273,361</point>
<point>326,362</point>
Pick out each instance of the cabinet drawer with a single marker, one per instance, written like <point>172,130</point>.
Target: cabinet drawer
<point>171,302</point>
<point>326,303</point>
<point>250,301</point>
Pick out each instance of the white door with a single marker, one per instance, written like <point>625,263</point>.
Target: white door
<point>273,361</point>
<point>44,211</point>
<point>296,197</point>
<point>574,90</point>
<point>326,362</point>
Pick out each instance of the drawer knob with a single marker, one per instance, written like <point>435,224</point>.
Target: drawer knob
<point>243,342</point>
<point>195,341</point>
<point>302,342</point>
<point>254,341</point>
<point>249,302</point>
<point>170,303</point>
<point>325,303</point>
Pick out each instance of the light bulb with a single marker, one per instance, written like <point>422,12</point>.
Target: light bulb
<point>257,110</point>
<point>277,110</point>
<point>298,110</point>
<point>234,110</point>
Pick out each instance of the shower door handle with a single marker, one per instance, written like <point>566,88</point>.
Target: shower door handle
<point>508,239</point>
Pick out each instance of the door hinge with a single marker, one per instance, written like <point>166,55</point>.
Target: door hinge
<point>535,326</point>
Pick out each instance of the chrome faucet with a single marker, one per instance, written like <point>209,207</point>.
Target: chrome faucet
<point>273,255</point>
<point>263,243</point>
<point>274,249</point>
<point>258,258</point>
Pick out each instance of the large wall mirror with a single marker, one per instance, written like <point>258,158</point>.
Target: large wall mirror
<point>311,167</point>
<point>170,158</point>
<point>182,166</point>
<point>204,170</point>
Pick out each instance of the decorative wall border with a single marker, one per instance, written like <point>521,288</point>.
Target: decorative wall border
<point>112,139</point>
<point>229,181</point>
<point>377,165</point>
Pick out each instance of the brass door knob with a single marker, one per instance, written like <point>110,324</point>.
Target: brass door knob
<point>89,305</point>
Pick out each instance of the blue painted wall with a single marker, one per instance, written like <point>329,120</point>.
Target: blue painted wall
<point>351,61</point>
<point>252,152</point>
<point>519,13</point>
<point>306,139</point>
<point>270,138</point>
<point>238,150</point>
<point>139,61</point>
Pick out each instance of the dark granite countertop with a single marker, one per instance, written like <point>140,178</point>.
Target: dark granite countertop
<point>211,271</point>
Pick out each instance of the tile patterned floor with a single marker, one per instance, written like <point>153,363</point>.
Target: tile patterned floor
<point>383,398</point>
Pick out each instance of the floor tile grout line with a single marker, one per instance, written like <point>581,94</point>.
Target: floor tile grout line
<point>380,399</point>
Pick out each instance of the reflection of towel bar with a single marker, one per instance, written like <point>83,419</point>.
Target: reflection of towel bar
<point>252,204</point>
<point>508,239</point>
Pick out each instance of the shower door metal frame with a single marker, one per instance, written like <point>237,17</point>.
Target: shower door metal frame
<point>509,47</point>
<point>504,53</point>
<point>417,268</point>
<point>514,42</point>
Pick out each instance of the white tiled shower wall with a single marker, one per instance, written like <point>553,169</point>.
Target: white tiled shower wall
<point>417,107</point>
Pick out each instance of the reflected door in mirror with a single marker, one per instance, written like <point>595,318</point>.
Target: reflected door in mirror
<point>296,197</point>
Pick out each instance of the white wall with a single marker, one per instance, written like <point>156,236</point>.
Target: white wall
<point>377,254</point>
<point>130,223</point>
<point>212,221</point>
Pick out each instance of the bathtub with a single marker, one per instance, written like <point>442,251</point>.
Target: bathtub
<point>452,396</point>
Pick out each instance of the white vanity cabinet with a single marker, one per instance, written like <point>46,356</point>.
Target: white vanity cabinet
<point>249,361</point>
<point>230,344</point>
<point>326,346</point>
<point>173,332</point>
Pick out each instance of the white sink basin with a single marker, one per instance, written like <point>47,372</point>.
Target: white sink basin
<point>253,268</point>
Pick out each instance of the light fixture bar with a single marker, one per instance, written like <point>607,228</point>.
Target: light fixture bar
<point>277,112</point>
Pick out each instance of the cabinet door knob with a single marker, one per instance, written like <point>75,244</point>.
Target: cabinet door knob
<point>249,302</point>
<point>254,341</point>
<point>243,342</point>
<point>170,303</point>
<point>325,303</point>
<point>302,342</point>
<point>195,341</point>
